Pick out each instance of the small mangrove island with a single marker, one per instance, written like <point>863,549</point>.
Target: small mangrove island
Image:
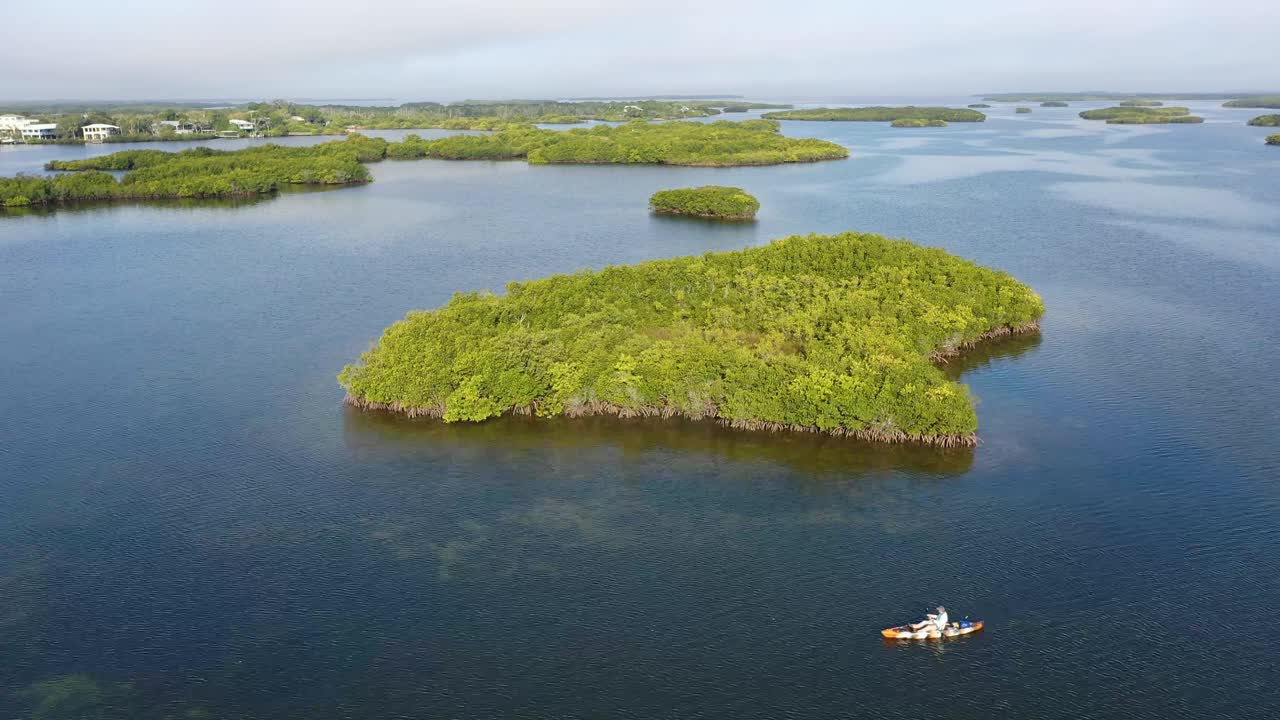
<point>879,114</point>
<point>979,105</point>
<point>838,334</point>
<point>1022,110</point>
<point>917,123</point>
<point>1265,121</point>
<point>1141,103</point>
<point>1141,115</point>
<point>207,173</point>
<point>1267,102</point>
<point>709,201</point>
<point>1054,103</point>
<point>1273,139</point>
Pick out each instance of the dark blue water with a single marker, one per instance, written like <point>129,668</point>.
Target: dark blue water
<point>192,525</point>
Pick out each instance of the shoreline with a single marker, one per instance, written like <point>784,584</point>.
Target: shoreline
<point>865,434</point>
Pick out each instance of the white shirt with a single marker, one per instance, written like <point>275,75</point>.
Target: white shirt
<point>940,621</point>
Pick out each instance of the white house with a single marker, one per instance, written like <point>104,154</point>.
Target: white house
<point>97,132</point>
<point>243,125</point>
<point>39,131</point>
<point>12,123</point>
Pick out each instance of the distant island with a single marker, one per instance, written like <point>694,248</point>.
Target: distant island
<point>1265,121</point>
<point>1141,103</point>
<point>1105,96</point>
<point>1273,139</point>
<point>72,123</point>
<point>880,114</point>
<point>835,334</point>
<point>1054,103</point>
<point>196,173</point>
<point>709,201</point>
<point>1260,101</point>
<point>979,105</point>
<point>1128,115</point>
<point>207,173</point>
<point>1022,110</point>
<point>917,123</point>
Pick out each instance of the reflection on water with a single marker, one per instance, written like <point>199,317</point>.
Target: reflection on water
<point>813,453</point>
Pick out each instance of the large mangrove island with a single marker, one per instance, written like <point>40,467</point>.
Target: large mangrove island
<point>838,334</point>
<point>709,201</point>
<point>880,114</point>
<point>1129,115</point>
<point>207,173</point>
<point>1265,121</point>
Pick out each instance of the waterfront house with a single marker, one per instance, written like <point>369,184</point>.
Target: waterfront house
<point>99,132</point>
<point>39,131</point>
<point>243,125</point>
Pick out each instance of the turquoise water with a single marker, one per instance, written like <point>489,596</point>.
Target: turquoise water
<point>191,522</point>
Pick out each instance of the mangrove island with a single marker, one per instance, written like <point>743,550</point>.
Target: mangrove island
<point>1054,103</point>
<point>837,334</point>
<point>1141,115</point>
<point>1269,102</point>
<point>1022,110</point>
<point>1273,139</point>
<point>709,201</point>
<point>879,114</point>
<point>207,173</point>
<point>1265,121</point>
<point>1141,103</point>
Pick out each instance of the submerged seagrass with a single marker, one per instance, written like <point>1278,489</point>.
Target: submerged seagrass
<point>837,334</point>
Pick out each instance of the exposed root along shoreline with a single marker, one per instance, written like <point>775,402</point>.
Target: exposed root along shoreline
<point>881,434</point>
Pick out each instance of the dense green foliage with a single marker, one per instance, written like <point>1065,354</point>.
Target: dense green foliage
<point>917,123</point>
<point>711,201</point>
<point>880,114</point>
<point>1259,101</point>
<point>1022,110</point>
<point>146,122</point>
<point>197,173</point>
<point>721,143</point>
<point>1141,103</point>
<point>1141,115</point>
<point>1266,121</point>
<point>833,333</point>
<point>1273,140</point>
<point>206,173</point>
<point>1054,103</point>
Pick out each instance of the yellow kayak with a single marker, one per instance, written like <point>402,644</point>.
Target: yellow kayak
<point>955,629</point>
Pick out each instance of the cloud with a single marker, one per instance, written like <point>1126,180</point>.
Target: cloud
<point>460,48</point>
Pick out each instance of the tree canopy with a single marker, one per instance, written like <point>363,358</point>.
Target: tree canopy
<point>836,334</point>
<point>709,201</point>
<point>1128,115</point>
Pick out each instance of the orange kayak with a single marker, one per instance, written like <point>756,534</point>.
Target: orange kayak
<point>955,629</point>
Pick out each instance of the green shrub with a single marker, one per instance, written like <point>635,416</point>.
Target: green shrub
<point>917,123</point>
<point>711,201</point>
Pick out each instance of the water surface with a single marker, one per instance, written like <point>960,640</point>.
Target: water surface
<point>191,522</point>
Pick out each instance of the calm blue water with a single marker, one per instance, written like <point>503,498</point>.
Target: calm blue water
<point>191,524</point>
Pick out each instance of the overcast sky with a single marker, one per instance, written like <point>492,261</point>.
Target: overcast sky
<point>454,49</point>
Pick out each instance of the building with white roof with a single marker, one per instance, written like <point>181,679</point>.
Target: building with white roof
<point>98,132</point>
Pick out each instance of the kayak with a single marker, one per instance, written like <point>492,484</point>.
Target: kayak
<point>955,629</point>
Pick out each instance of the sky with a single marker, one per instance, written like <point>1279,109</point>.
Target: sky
<point>492,49</point>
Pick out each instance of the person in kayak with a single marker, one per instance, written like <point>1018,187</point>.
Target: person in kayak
<point>938,621</point>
